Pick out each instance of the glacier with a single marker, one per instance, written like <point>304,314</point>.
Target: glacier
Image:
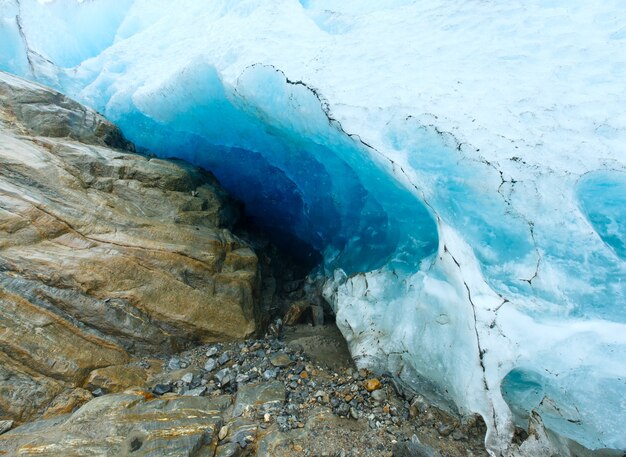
<point>460,167</point>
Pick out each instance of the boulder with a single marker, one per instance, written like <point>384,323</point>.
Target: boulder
<point>104,253</point>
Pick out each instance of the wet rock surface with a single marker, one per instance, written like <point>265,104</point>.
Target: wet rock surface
<point>104,255</point>
<point>306,408</point>
<point>125,424</point>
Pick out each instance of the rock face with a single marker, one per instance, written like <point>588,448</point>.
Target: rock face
<point>103,253</point>
<point>122,425</point>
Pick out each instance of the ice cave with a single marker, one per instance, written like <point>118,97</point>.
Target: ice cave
<point>460,167</point>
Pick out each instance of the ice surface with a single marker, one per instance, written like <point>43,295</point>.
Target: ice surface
<point>460,165</point>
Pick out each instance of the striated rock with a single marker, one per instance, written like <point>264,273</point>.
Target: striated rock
<point>104,253</point>
<point>116,378</point>
<point>278,443</point>
<point>24,393</point>
<point>131,424</point>
<point>5,426</point>
<point>260,395</point>
<point>68,401</point>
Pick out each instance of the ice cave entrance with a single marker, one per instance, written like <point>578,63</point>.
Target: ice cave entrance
<point>313,187</point>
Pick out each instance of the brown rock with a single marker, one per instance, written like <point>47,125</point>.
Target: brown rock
<point>116,378</point>
<point>123,424</point>
<point>104,253</point>
<point>372,384</point>
<point>44,341</point>
<point>24,393</point>
<point>67,402</point>
<point>296,311</point>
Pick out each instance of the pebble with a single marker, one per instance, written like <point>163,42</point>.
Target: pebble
<point>418,406</point>
<point>224,358</point>
<point>223,432</point>
<point>280,360</point>
<point>343,409</point>
<point>242,378</point>
<point>379,395</point>
<point>212,351</point>
<point>283,423</point>
<point>161,389</point>
<point>445,429</point>
<point>187,378</point>
<point>173,364</point>
<point>223,377</point>
<point>269,374</point>
<point>197,392</point>
<point>372,384</point>
<point>210,365</point>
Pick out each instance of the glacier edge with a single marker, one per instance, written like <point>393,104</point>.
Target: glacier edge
<point>523,277</point>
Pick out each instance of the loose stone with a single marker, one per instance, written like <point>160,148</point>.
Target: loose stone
<point>174,364</point>
<point>5,426</point>
<point>280,360</point>
<point>223,377</point>
<point>379,395</point>
<point>210,365</point>
<point>372,384</point>
<point>161,389</point>
<point>223,432</point>
<point>197,392</point>
<point>269,374</point>
<point>99,392</point>
<point>224,358</point>
<point>241,378</point>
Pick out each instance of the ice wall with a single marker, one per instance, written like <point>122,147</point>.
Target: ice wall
<point>460,168</point>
